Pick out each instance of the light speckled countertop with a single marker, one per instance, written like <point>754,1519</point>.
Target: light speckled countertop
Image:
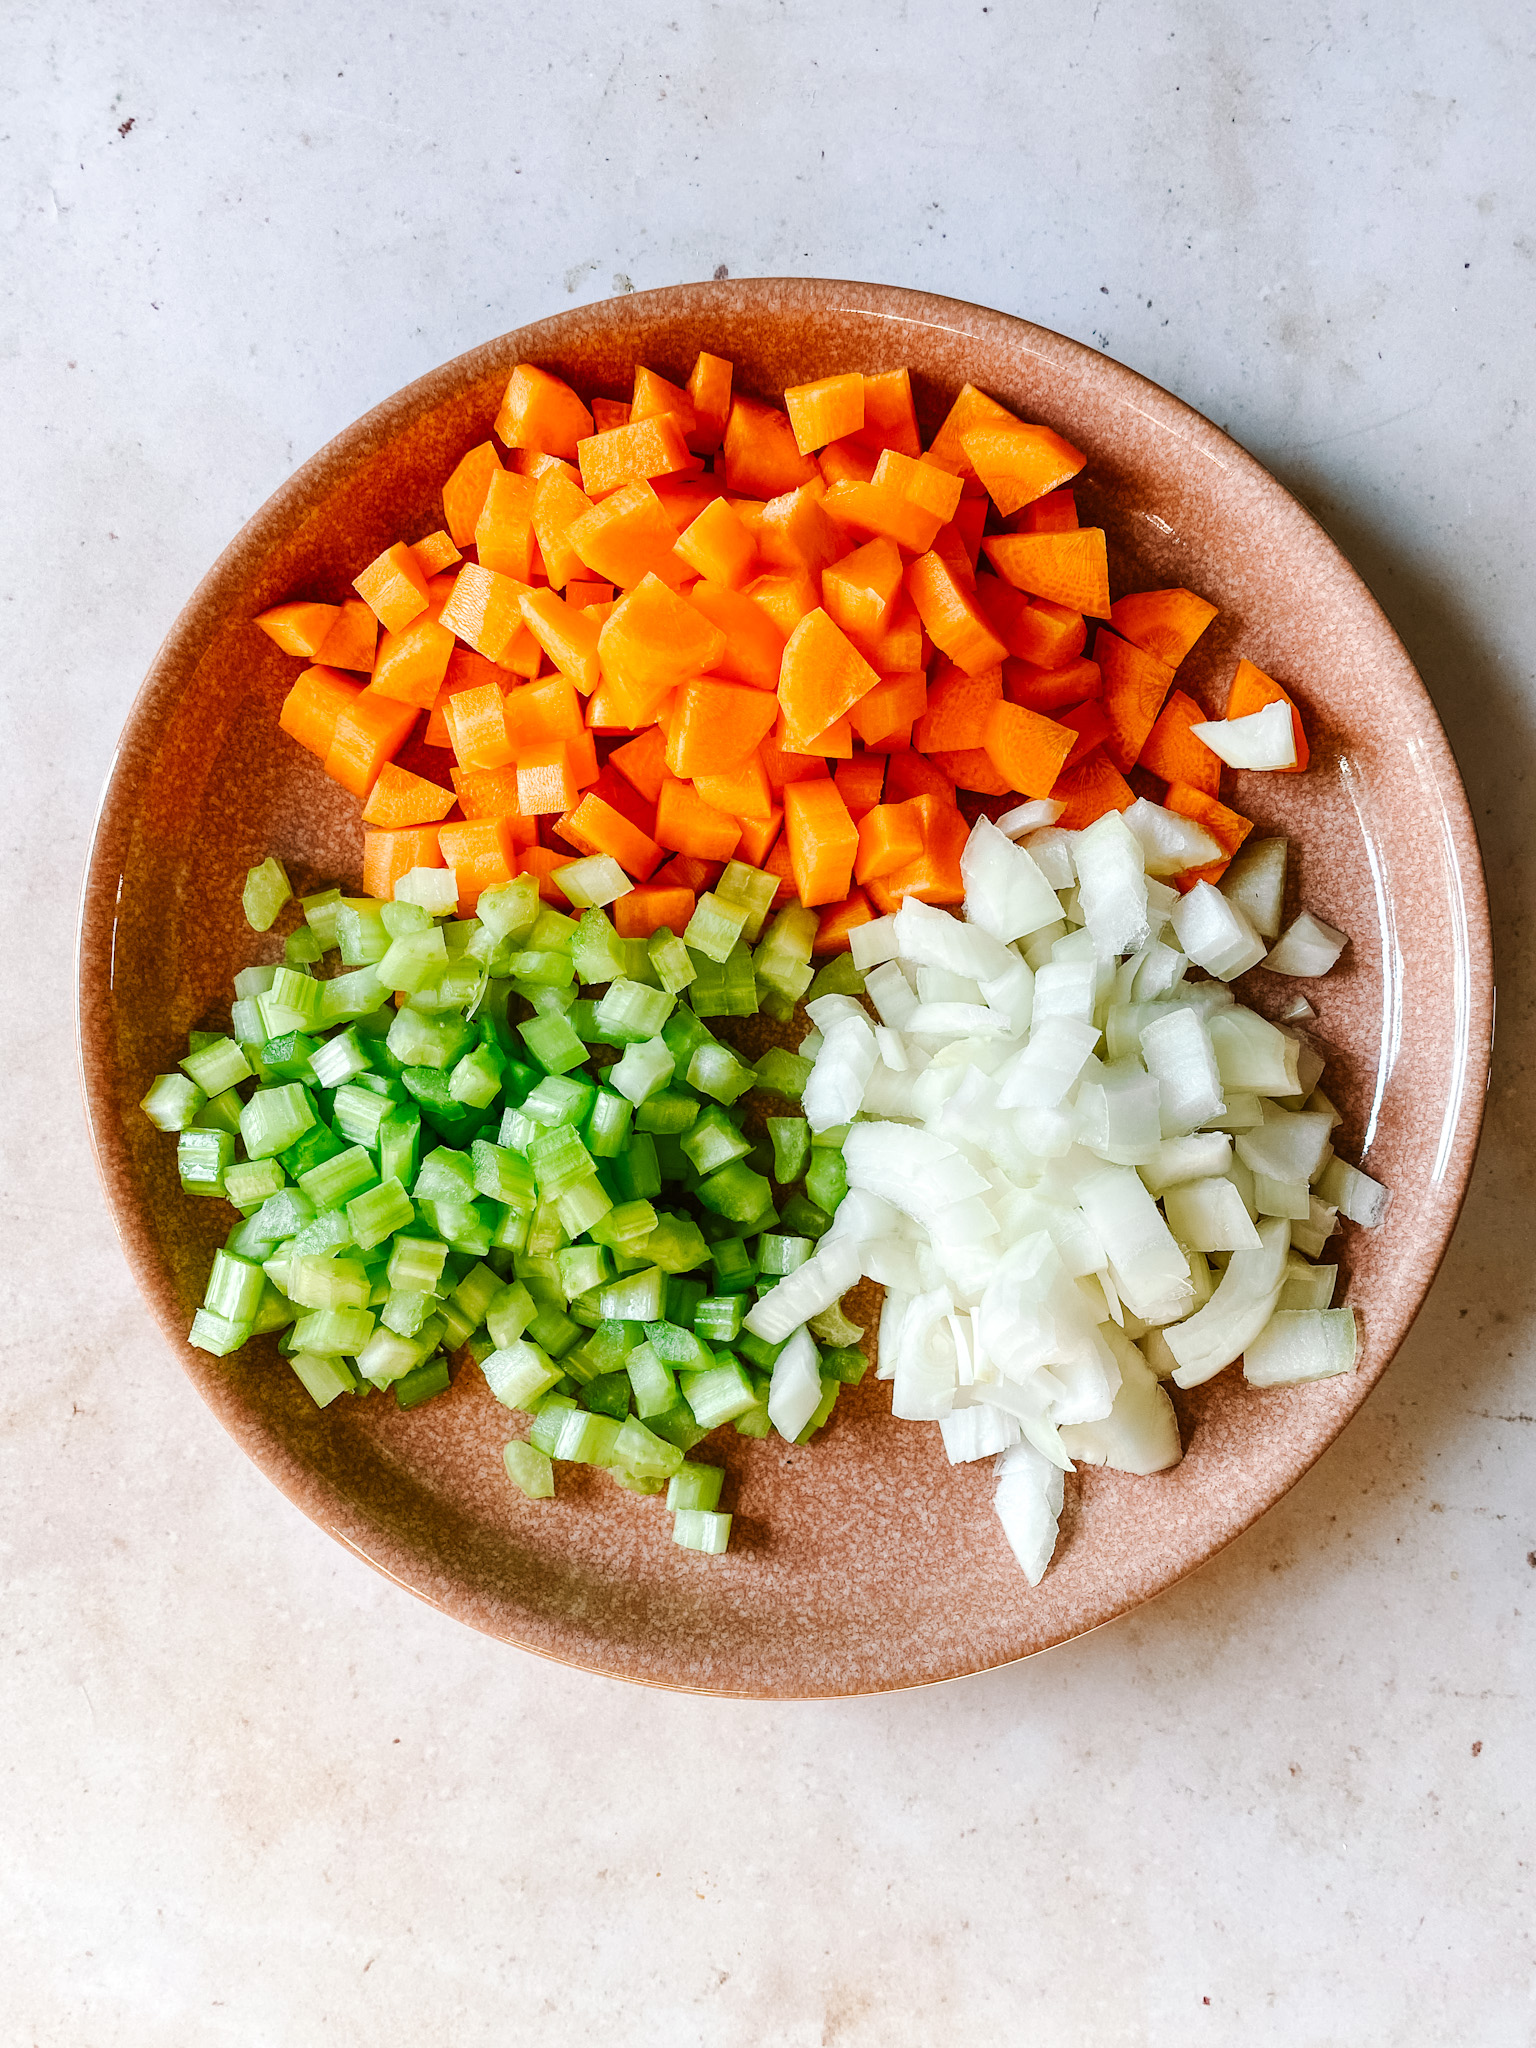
<point>1287,1804</point>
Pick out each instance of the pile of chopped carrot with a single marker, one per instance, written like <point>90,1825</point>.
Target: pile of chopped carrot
<point>700,627</point>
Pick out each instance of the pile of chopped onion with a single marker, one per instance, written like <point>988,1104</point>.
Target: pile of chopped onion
<point>1077,1168</point>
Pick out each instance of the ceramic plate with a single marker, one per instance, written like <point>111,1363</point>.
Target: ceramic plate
<point>864,1562</point>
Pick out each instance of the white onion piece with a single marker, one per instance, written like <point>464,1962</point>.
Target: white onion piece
<point>1169,842</point>
<point>978,1431</point>
<point>1112,886</point>
<point>912,1169</point>
<point>1262,739</point>
<point>1031,817</point>
<point>952,1020</point>
<point>794,1392</point>
<point>825,1277</point>
<point>1210,1216</point>
<point>924,1375</point>
<point>1215,933</point>
<point>1288,1145</point>
<point>941,985</point>
<point>1051,852</point>
<point>1302,1344</point>
<point>826,1011</point>
<point>1253,1055</point>
<point>932,938</point>
<point>1177,1048</point>
<point>1041,1074</point>
<point>1005,891</point>
<point>1307,947</point>
<point>893,1312</point>
<point>1183,1159</point>
<point>1291,1199</point>
<point>874,943</point>
<point>1322,1221</point>
<point>1012,995</point>
<point>1028,1503</point>
<point>1161,971</point>
<point>1141,1432</point>
<point>891,993</point>
<point>1146,1264</point>
<point>1306,1286</point>
<point>1235,1314</point>
<point>1255,882</point>
<point>1353,1193</point>
<point>1065,988</point>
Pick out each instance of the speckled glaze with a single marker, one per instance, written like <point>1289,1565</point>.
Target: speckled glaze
<point>864,1563</point>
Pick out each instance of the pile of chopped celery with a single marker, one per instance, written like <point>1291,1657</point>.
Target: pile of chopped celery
<point>515,1135</point>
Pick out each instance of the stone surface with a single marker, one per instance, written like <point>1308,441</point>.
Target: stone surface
<point>1297,1785</point>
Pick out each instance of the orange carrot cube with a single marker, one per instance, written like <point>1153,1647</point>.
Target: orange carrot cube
<point>411,664</point>
<point>920,483</point>
<point>823,841</point>
<point>838,920</point>
<point>718,546</point>
<point>716,725</point>
<point>859,783</point>
<point>300,628</point>
<point>596,827</point>
<point>567,634</point>
<point>389,856</point>
<point>485,612</point>
<point>477,727</point>
<point>859,593</point>
<point>952,617</point>
<point>1070,569</point>
<point>628,537</point>
<point>649,908</point>
<point>399,798</point>
<point>825,410</point>
<point>958,708</point>
<point>504,530</point>
<point>394,587</point>
<point>310,710</point>
<point>352,639</point>
<point>1028,752</point>
<point>542,411</point>
<point>875,509</point>
<point>653,636</point>
<point>436,552</point>
<point>709,391</point>
<point>633,454</point>
<point>686,824</point>
<point>546,783</point>
<point>1018,463</point>
<point>369,732</point>
<point>752,649</point>
<point>891,707</point>
<point>890,836</point>
<point>761,456</point>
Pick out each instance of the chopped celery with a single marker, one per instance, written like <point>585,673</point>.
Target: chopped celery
<point>202,1158</point>
<point>715,927</point>
<point>715,1071</point>
<point>843,1363</point>
<point>221,1113</point>
<point>783,1073</point>
<point>676,1425</point>
<point>790,1137</point>
<point>422,1382</point>
<point>529,1469</point>
<point>323,1377</point>
<point>330,1330</point>
<point>713,1141</point>
<point>378,1213</point>
<point>597,953</point>
<point>777,1256</point>
<point>218,1065</point>
<point>644,1070</point>
<point>172,1102</point>
<point>266,891</point>
<point>830,1389</point>
<point>718,1394</point>
<point>608,1124</point>
<point>302,949</point>
<point>321,911</point>
<point>695,1486</point>
<point>672,960</point>
<point>632,1012</point>
<point>652,1382</point>
<point>678,1347</point>
<point>839,977</point>
<point>234,1288</point>
<point>718,1317</point>
<point>804,1218</point>
<point>637,1298</point>
<point>752,889</point>
<point>758,1351</point>
<point>582,1267</point>
<point>636,1169</point>
<point>668,1113</point>
<point>641,1453</point>
<point>826,1178</point>
<point>251,1182</point>
<point>333,1183</point>
<point>676,1244</point>
<point>502,1175</point>
<point>736,1192</point>
<point>475,1292</point>
<point>518,1373</point>
<point>594,881</point>
<point>735,1268</point>
<point>583,1205</point>
<point>508,910</point>
<point>275,1118</point>
<point>607,1394</point>
<point>553,1043</point>
<point>698,1529</point>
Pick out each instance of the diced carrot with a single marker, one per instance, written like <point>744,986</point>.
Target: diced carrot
<point>464,492</point>
<point>823,841</point>
<point>647,909</point>
<point>369,732</point>
<point>533,462</point>
<point>709,392</point>
<point>1019,463</point>
<point>952,617</point>
<point>823,675</point>
<point>761,458</point>
<point>466,671</point>
<point>490,793</point>
<point>972,768</point>
<point>596,827</point>
<point>968,527</point>
<point>922,484</point>
<point>908,775</point>
<point>889,708</point>
<point>776,862</point>
<point>1051,689</point>
<point>1056,512</point>
<point>628,537</point>
<point>958,708</point>
<point>622,796</point>
<point>1164,623</point>
<point>1088,792</point>
<point>311,708</point>
<point>890,836</point>
<point>543,863</point>
<point>504,538</point>
<point>784,767</point>
<point>686,824</point>
<point>352,639</point>
<point>558,503</point>
<point>1091,726</point>
<point>1135,685</point>
<point>716,725</point>
<point>399,798</point>
<point>684,871</point>
<point>859,592</point>
<point>542,712</point>
<point>718,545</point>
<point>1227,827</point>
<point>393,586</point>
<point>934,877</point>
<point>653,637</point>
<point>1070,569</point>
<point>1028,751</point>
<point>890,418</point>
<point>838,920</point>
<point>633,454</point>
<point>389,856</point>
<point>546,779</point>
<point>1172,751</point>
<point>477,727</point>
<point>439,590</point>
<point>567,635</point>
<point>875,509</point>
<point>541,411</point>
<point>1046,634</point>
<point>752,646</point>
<point>825,410</point>
<point>608,413</point>
<point>833,742</point>
<point>859,782</point>
<point>899,649</point>
<point>758,835</point>
<point>654,395</point>
<point>794,532</point>
<point>851,461</point>
<point>683,497</point>
<point>642,762</point>
<point>743,791</point>
<point>299,628</point>
<point>412,663</point>
<point>486,614</point>
<point>620,704</point>
<point>972,408</point>
<point>950,548</point>
<point>436,552</point>
<point>482,853</point>
<point>1251,691</point>
<point>582,591</point>
<point>785,597</point>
